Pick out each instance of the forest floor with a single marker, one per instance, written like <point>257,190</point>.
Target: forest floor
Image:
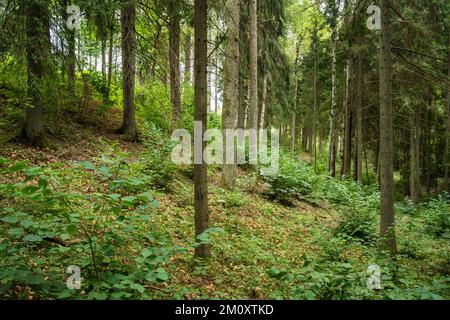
<point>261,249</point>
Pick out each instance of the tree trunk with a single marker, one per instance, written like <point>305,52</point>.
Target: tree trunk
<point>187,57</point>
<point>253,69</point>
<point>128,20</point>
<point>71,56</point>
<point>333,122</point>
<point>38,53</point>
<point>387,225</point>
<point>110,58</point>
<point>414,158</point>
<point>231,87</point>
<point>359,122</point>
<point>447,131</point>
<point>262,123</point>
<point>348,97</point>
<point>174,61</point>
<point>200,114</point>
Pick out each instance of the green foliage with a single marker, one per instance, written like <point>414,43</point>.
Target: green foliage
<point>293,181</point>
<point>357,224</point>
<point>437,216</point>
<point>157,162</point>
<point>106,225</point>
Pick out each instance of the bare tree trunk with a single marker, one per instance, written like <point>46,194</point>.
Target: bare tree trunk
<point>38,55</point>
<point>387,225</point>
<point>187,57</point>
<point>231,87</point>
<point>71,55</point>
<point>253,66</point>
<point>359,123</point>
<point>111,51</point>
<point>447,132</point>
<point>315,94</point>
<point>414,158</point>
<point>128,20</point>
<point>333,122</point>
<point>200,114</point>
<point>348,97</point>
<point>262,123</point>
<point>174,61</point>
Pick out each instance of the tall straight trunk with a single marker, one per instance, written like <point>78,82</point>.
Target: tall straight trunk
<point>128,21</point>
<point>348,97</point>
<point>202,250</point>
<point>110,57</point>
<point>174,61</point>
<point>253,67</point>
<point>38,54</point>
<point>294,117</point>
<point>414,158</point>
<point>387,225</point>
<point>187,56</point>
<point>359,122</point>
<point>315,95</point>
<point>262,123</point>
<point>231,87</point>
<point>71,55</point>
<point>103,48</point>
<point>333,122</point>
<point>447,131</point>
<point>342,138</point>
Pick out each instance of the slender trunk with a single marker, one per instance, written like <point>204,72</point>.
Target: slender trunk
<point>315,95</point>
<point>387,225</point>
<point>187,57</point>
<point>71,55</point>
<point>128,20</point>
<point>110,58</point>
<point>38,55</point>
<point>231,88</point>
<point>333,122</point>
<point>414,158</point>
<point>202,250</point>
<point>359,122</point>
<point>174,61</point>
<point>348,97</point>
<point>447,131</point>
<point>262,123</point>
<point>253,66</point>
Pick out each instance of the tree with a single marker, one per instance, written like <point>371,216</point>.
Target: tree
<point>174,60</point>
<point>200,114</point>
<point>447,128</point>
<point>387,226</point>
<point>231,85</point>
<point>334,118</point>
<point>253,69</point>
<point>128,20</point>
<point>38,53</point>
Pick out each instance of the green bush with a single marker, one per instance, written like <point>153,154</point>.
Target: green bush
<point>357,224</point>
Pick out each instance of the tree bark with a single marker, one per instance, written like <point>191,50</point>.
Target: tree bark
<point>262,123</point>
<point>447,130</point>
<point>253,69</point>
<point>359,118</point>
<point>187,57</point>
<point>414,158</point>
<point>333,122</point>
<point>200,114</point>
<point>231,86</point>
<point>128,20</point>
<point>38,53</point>
<point>174,61</point>
<point>387,225</point>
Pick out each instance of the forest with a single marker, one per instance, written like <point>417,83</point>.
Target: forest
<point>224,150</point>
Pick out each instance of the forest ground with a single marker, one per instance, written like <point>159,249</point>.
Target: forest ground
<point>262,249</point>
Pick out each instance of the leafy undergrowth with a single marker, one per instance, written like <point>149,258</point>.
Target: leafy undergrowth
<point>128,223</point>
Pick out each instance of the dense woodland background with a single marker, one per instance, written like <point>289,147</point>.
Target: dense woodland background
<point>86,117</point>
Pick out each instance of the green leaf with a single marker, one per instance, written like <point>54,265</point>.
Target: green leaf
<point>10,219</point>
<point>32,238</point>
<point>162,275</point>
<point>98,295</point>
<point>137,287</point>
<point>15,231</point>
<point>26,223</point>
<point>129,201</point>
<point>87,165</point>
